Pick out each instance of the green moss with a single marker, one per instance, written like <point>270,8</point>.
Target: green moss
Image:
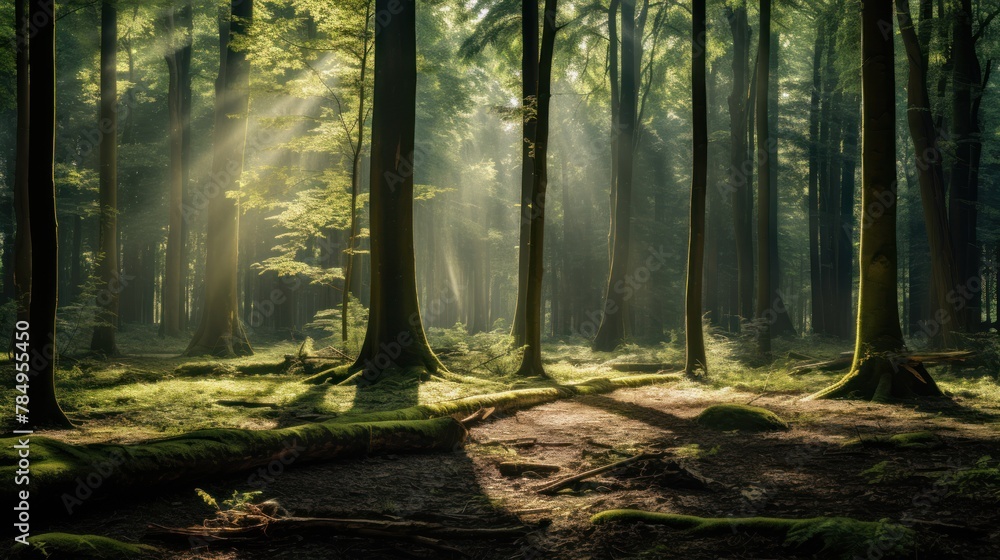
<point>907,440</point>
<point>203,369</point>
<point>64,546</point>
<point>831,537</point>
<point>741,417</point>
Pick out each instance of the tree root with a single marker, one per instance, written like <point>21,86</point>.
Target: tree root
<point>880,378</point>
<point>833,537</point>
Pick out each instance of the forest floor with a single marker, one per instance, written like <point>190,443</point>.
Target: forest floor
<point>806,471</point>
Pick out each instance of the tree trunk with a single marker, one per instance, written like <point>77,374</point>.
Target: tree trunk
<point>829,187</point>
<point>108,288</point>
<point>170,325</point>
<point>221,331</point>
<point>44,408</point>
<point>184,78</point>
<point>531,361</point>
<point>876,372</point>
<point>529,95</point>
<point>765,312</point>
<point>782,323</point>
<point>612,330</point>
<point>817,321</point>
<point>739,164</point>
<point>395,336</point>
<point>845,235</point>
<point>695,359</point>
<point>963,195</point>
<point>931,178</point>
<point>22,234</point>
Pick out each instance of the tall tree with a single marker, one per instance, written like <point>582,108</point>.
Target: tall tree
<point>930,173</point>
<point>782,322</point>
<point>173,308</point>
<point>103,340</point>
<point>395,337</point>
<point>529,96</point>
<point>611,332</point>
<point>739,163</point>
<point>221,333</point>
<point>815,273</point>
<point>695,359</point>
<point>765,309</point>
<point>879,372</point>
<point>966,80</point>
<point>44,408</point>
<point>531,361</point>
<point>22,233</point>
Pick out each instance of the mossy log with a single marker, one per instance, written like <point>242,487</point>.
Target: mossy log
<point>645,367</point>
<point>745,418</point>
<point>509,400</point>
<point>907,440</point>
<point>215,369</point>
<point>519,468</point>
<point>64,476</point>
<point>65,546</point>
<point>831,537</point>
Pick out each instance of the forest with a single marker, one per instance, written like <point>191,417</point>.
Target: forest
<point>500,279</point>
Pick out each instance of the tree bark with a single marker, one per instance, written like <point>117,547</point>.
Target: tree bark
<point>877,373</point>
<point>221,331</point>
<point>845,235</point>
<point>108,287</point>
<point>529,96</point>
<point>612,330</point>
<point>44,408</point>
<point>531,361</point>
<point>695,358</point>
<point>782,323</point>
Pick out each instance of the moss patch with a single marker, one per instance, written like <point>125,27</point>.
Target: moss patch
<point>831,537</point>
<point>727,417</point>
<point>65,546</point>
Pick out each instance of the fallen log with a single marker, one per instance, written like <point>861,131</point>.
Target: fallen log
<point>836,537</point>
<point>57,468</point>
<point>518,468</point>
<point>285,525</point>
<point>571,480</point>
<point>80,547</point>
<point>645,367</point>
<point>219,369</point>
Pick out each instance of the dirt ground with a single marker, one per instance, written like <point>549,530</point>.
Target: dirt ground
<point>803,472</point>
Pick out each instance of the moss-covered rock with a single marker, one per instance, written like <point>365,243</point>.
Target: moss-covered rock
<point>65,546</point>
<point>830,537</point>
<point>745,418</point>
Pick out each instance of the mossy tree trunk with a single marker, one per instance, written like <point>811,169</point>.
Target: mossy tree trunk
<point>108,287</point>
<point>221,331</point>
<point>612,329</point>
<point>694,345</point>
<point>44,408</point>
<point>876,373</point>
<point>395,337</point>
<point>529,95</point>
<point>531,362</point>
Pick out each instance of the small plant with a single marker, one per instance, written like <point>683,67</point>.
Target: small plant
<point>886,472</point>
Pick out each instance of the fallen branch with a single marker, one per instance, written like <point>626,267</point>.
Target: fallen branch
<point>845,359</point>
<point>571,480</point>
<point>518,468</point>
